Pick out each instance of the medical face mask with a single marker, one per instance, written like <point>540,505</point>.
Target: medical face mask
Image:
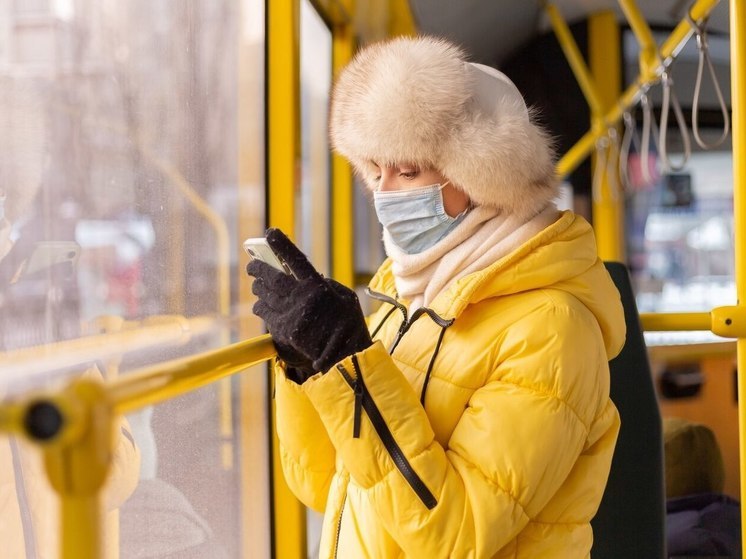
<point>415,219</point>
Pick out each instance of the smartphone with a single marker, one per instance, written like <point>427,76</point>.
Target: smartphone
<point>258,247</point>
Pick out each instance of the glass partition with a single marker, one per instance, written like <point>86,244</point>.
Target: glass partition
<point>131,168</point>
<point>313,200</point>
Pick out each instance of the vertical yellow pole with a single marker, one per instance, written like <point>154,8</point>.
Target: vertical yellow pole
<point>343,211</point>
<point>605,64</point>
<point>77,465</point>
<point>283,131</point>
<point>283,109</point>
<point>738,104</point>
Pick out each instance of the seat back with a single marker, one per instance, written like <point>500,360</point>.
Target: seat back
<point>631,518</point>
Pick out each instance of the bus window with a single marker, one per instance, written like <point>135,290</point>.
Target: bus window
<point>313,200</point>
<point>131,167</point>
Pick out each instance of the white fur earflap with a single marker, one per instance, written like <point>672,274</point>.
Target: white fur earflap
<point>418,100</point>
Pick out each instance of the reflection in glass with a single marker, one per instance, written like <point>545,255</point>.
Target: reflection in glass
<point>119,200</point>
<point>313,229</point>
<point>313,201</point>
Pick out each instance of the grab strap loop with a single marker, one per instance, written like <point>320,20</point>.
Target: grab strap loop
<point>648,126</point>
<point>629,138</point>
<point>705,58</point>
<point>669,98</point>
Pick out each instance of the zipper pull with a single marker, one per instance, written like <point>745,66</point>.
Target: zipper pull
<point>356,416</point>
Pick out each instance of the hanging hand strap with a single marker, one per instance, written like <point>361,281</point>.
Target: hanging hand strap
<point>606,148</point>
<point>612,163</point>
<point>648,126</point>
<point>598,171</point>
<point>670,99</point>
<point>629,138</point>
<point>705,58</point>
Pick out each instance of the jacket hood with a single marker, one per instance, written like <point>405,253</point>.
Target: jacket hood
<point>563,256</point>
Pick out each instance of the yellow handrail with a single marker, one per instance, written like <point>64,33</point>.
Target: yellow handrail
<point>167,380</point>
<point>77,424</point>
<point>664,322</point>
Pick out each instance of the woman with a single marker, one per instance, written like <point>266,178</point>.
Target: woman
<point>471,416</point>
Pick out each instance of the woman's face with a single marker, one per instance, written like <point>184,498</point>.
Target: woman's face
<point>405,176</point>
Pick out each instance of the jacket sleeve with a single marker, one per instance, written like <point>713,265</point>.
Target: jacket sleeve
<point>510,452</point>
<point>306,452</point>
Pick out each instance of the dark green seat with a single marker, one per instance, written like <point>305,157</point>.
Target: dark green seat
<point>630,523</point>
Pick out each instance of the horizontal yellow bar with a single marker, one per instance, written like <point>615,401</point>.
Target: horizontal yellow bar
<point>673,44</point>
<point>664,322</point>
<point>160,382</point>
<point>162,330</point>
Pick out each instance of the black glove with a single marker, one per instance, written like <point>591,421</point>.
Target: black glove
<point>316,318</point>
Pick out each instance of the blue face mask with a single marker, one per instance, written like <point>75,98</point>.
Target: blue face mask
<point>415,219</point>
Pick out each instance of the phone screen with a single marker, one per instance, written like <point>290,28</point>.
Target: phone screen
<point>259,248</point>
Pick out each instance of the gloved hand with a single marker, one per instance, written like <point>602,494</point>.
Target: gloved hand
<point>313,319</point>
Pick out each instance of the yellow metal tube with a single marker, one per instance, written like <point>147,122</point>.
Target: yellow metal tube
<point>608,203</point>
<point>664,322</point>
<point>77,455</point>
<point>343,232</point>
<point>575,59</point>
<point>77,467</point>
<point>160,382</point>
<point>81,530</point>
<point>283,108</point>
<point>649,60</point>
<point>738,105</point>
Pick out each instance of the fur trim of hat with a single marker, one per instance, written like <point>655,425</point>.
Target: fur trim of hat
<point>419,101</point>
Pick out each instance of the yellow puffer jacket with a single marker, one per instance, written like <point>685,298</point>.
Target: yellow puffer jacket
<point>481,427</point>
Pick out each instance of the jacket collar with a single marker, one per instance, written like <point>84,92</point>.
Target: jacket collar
<point>478,285</point>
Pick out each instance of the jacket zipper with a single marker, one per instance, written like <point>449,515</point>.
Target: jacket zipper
<point>387,438</point>
<point>339,525</point>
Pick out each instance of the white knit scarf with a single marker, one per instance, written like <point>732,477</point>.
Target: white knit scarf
<point>483,237</point>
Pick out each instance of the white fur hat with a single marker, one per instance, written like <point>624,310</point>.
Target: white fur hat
<point>418,100</point>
